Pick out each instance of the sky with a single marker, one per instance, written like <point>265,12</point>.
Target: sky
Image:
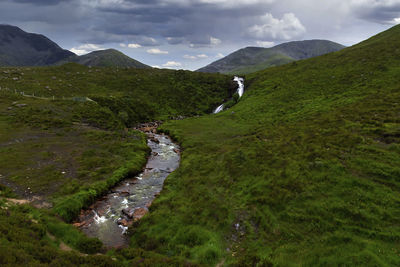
<point>189,34</point>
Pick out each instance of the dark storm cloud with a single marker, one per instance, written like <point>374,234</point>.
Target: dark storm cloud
<point>381,12</point>
<point>196,27</point>
<point>40,2</point>
<point>55,13</point>
<point>180,22</point>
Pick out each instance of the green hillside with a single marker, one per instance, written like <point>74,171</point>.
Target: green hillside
<point>139,95</point>
<point>251,59</point>
<point>63,150</point>
<point>303,171</point>
<point>107,58</point>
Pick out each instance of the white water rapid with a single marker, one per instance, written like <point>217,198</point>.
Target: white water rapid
<point>239,91</point>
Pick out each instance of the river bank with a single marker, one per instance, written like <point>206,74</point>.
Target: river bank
<point>110,217</point>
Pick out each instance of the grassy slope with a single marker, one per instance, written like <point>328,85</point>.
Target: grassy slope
<point>49,151</point>
<point>50,148</point>
<point>274,60</point>
<point>137,95</point>
<point>304,170</point>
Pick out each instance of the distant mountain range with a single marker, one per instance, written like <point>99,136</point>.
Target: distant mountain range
<point>19,48</point>
<point>251,59</point>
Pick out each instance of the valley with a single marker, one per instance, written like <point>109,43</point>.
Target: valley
<point>302,169</point>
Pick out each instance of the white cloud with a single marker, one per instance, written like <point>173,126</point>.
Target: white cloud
<point>201,56</point>
<point>86,48</point>
<point>156,66</point>
<point>219,55</point>
<point>282,29</point>
<point>190,57</point>
<point>157,51</point>
<point>122,45</point>
<point>265,44</point>
<point>214,41</point>
<point>172,64</point>
<point>134,45</point>
<point>396,21</point>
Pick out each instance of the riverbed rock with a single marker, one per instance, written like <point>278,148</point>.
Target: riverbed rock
<point>79,224</point>
<point>139,213</point>
<point>124,193</point>
<point>128,212</point>
<point>153,139</point>
<point>123,222</point>
<point>176,150</point>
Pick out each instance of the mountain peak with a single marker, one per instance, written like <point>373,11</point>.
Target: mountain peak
<point>19,48</point>
<point>107,58</point>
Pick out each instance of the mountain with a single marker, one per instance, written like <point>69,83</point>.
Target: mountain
<point>251,59</point>
<point>19,48</point>
<point>107,58</point>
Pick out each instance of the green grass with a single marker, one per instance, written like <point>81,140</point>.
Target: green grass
<point>303,171</point>
<point>53,148</point>
<point>65,151</point>
<point>142,94</point>
<point>32,237</point>
<point>273,60</point>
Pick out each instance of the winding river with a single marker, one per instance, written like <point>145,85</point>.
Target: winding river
<point>109,218</point>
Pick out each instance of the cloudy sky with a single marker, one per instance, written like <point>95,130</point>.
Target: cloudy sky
<point>189,34</point>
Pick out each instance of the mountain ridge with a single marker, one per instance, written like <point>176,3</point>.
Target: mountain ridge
<point>20,48</point>
<point>251,59</point>
<point>106,58</point>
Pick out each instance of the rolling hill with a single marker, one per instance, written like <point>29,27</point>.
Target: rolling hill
<point>107,58</point>
<point>19,48</point>
<point>251,59</point>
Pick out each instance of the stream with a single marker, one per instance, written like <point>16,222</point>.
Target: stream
<point>109,218</point>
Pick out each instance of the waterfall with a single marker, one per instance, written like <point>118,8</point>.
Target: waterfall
<point>239,91</point>
<point>240,82</point>
<point>219,108</point>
